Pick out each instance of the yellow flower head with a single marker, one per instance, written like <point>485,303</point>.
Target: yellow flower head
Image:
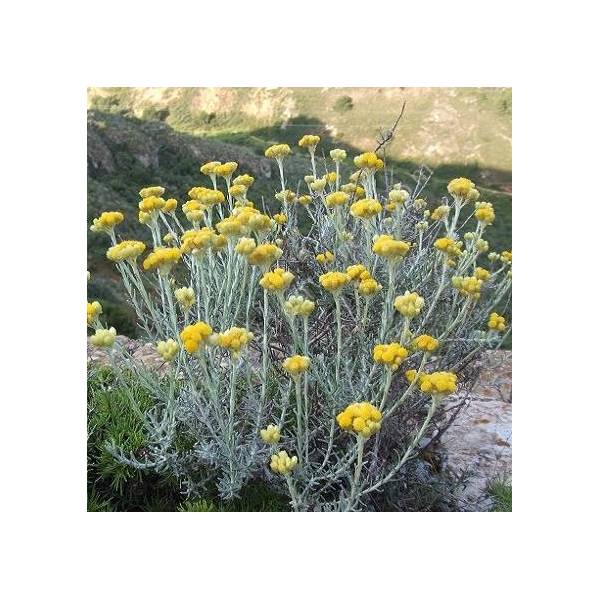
<point>409,305</point>
<point>94,310</point>
<point>484,212</point>
<point>468,286</point>
<point>368,286</point>
<point>270,435</point>
<point>186,297</point>
<point>482,274</point>
<point>387,247</point>
<point>426,343</point>
<point>305,200</point>
<point>107,221</point>
<point>390,355</point>
<point>162,259</point>
<point>336,199</point>
<point>103,338</point>
<point>144,218</point>
<point>195,336</point>
<point>209,168</point>
<point>420,204</point>
<point>278,151</point>
<point>197,241</point>
<point>331,177</point>
<point>167,349</point>
<point>506,257</point>
<point>238,191</point>
<point>231,227</point>
<point>226,170</point>
<point>285,196</point>
<point>325,257</point>
<point>245,246</point>
<point>264,255</point>
<point>448,246</point>
<point>440,213</point>
<point>337,155</point>
<point>362,418</point>
<point>280,218</point>
<point>355,271</point>
<point>127,250</point>
<point>334,281</point>
<point>439,383</point>
<point>154,190</point>
<point>461,188</point>
<point>245,180</point>
<point>497,322</point>
<point>283,464</point>
<point>422,226</point>
<point>296,365</point>
<point>234,339</point>
<point>398,196</point>
<point>318,185</point>
<point>482,245</point>
<point>365,209</point>
<point>277,280</point>
<point>151,204</point>
<point>368,161</point>
<point>355,191</point>
<point>309,141</point>
<point>298,306</point>
<point>170,205</point>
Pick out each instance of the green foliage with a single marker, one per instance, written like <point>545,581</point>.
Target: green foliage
<point>198,506</point>
<point>501,493</point>
<point>343,104</point>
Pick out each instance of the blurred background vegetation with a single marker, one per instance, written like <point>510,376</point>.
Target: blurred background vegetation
<point>160,136</point>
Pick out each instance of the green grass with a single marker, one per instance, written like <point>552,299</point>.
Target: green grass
<point>501,493</point>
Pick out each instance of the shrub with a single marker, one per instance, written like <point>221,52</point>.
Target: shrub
<point>343,104</point>
<point>317,361</point>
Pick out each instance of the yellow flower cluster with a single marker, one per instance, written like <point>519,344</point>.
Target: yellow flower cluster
<point>361,417</point>
<point>409,305</point>
<point>356,191</point>
<point>333,281</point>
<point>235,339</point>
<point>325,257</point>
<point>482,274</point>
<point>194,211</point>
<point>245,180</point>
<point>167,349</point>
<point>94,310</point>
<point>468,286</point>
<point>264,255</point>
<point>277,280</point>
<point>497,322</point>
<point>390,355</point>
<point>270,435</point>
<point>367,285</point>
<point>226,170</point>
<point>162,259</point>
<point>439,383</point>
<point>170,205</point>
<point>426,343</point>
<point>186,297</point>
<point>155,190</point>
<point>151,204</point>
<point>369,161</point>
<point>387,247</point>
<point>355,271</point>
<point>484,212</point>
<point>205,196</point>
<point>280,219</point>
<point>506,257</point>
<point>103,338</point>
<point>245,246</point>
<point>298,306</point>
<point>107,221</point>
<point>285,196</point>
<point>198,241</point>
<point>440,213</point>
<point>336,199</point>
<point>127,250</point>
<point>463,189</point>
<point>252,218</point>
<point>278,151</point>
<point>365,209</point>
<point>448,246</point>
<point>309,141</point>
<point>195,336</point>
<point>337,154</point>
<point>283,464</point>
<point>209,168</point>
<point>296,365</point>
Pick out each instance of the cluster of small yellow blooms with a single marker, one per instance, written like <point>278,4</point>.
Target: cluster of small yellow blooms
<point>463,189</point>
<point>448,246</point>
<point>333,281</point>
<point>426,343</point>
<point>245,246</point>
<point>387,247</point>
<point>280,218</point>
<point>234,339</point>
<point>422,226</point>
<point>356,191</point>
<point>398,196</point>
<point>226,170</point>
<point>107,221</point>
<point>506,257</point>
<point>296,365</point>
<point>368,161</point>
<point>238,191</point>
<point>298,306</point>
<point>127,250</point>
<point>439,383</point>
<point>170,205</point>
<point>155,190</point>
<point>167,349</point>
<point>336,199</point>
<point>360,417</point>
<point>231,227</point>
<point>365,209</point>
<point>270,435</point>
<point>367,285</point>
<point>245,180</point>
<point>278,151</point>
<point>409,305</point>
<point>309,141</point>
<point>198,241</point>
<point>104,338</point>
<point>468,286</point>
<point>420,204</point>
<point>194,211</point>
<point>186,297</point>
<point>390,355</point>
<point>304,200</point>
<point>482,274</point>
<point>440,213</point>
<point>151,205</point>
<point>264,255</point>
<point>283,464</point>
<point>94,310</point>
<point>277,280</point>
<point>162,259</point>
<point>325,257</point>
<point>252,218</point>
<point>210,167</point>
<point>355,271</point>
<point>337,154</point>
<point>497,322</point>
<point>484,212</point>
<point>195,336</point>
<point>205,196</point>
<point>285,196</point>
